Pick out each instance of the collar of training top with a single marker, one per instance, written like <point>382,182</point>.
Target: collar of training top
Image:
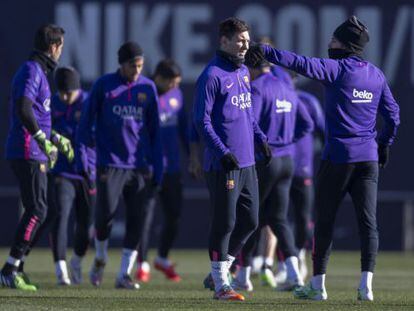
<point>45,61</point>
<point>234,60</point>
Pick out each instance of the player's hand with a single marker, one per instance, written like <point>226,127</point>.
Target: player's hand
<point>229,162</point>
<point>267,153</point>
<point>194,168</point>
<point>47,147</point>
<point>383,155</point>
<point>89,182</point>
<point>154,188</point>
<point>64,146</point>
<point>254,55</point>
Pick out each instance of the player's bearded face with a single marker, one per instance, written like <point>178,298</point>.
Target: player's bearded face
<point>132,69</point>
<point>56,50</point>
<point>237,45</point>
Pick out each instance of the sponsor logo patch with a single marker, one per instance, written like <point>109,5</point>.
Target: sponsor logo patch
<point>361,96</point>
<point>283,106</point>
<point>243,100</point>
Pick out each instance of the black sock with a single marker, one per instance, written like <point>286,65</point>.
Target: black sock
<point>8,268</point>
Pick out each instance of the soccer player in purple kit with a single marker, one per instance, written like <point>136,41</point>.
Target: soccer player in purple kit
<point>224,118</point>
<point>356,91</point>
<point>174,128</point>
<point>123,108</point>
<point>31,148</point>
<point>301,191</point>
<point>282,117</point>
<point>70,189</point>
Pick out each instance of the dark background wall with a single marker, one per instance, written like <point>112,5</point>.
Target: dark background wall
<point>186,31</point>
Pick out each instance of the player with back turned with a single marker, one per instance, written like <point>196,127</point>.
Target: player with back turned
<point>356,91</point>
<point>174,129</point>
<point>223,116</point>
<point>123,110</point>
<point>31,146</point>
<point>283,118</point>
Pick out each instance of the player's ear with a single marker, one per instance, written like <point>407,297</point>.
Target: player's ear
<point>224,41</point>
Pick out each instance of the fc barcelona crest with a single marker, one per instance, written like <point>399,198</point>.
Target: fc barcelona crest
<point>173,103</point>
<point>142,97</point>
<point>230,184</point>
<point>246,79</point>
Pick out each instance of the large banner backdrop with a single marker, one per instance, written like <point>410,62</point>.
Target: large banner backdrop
<point>187,32</point>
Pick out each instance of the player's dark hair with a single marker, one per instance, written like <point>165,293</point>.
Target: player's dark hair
<point>47,35</point>
<point>67,79</point>
<point>232,25</point>
<point>168,69</point>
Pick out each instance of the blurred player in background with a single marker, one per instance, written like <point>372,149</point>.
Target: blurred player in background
<point>123,107</point>
<point>70,189</point>
<point>174,128</point>
<point>31,148</point>
<point>278,112</point>
<point>224,118</point>
<point>301,191</point>
<point>355,91</point>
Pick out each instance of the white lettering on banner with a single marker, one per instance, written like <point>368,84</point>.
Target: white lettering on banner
<point>296,29</point>
<point>243,100</point>
<point>147,29</point>
<point>371,16</point>
<point>330,17</point>
<point>283,106</point>
<point>396,43</point>
<point>300,28</point>
<point>363,96</point>
<point>114,34</point>
<point>186,42</point>
<point>128,112</point>
<point>258,17</point>
<point>82,37</point>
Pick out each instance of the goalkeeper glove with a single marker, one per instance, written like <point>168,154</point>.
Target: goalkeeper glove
<point>47,147</point>
<point>64,146</point>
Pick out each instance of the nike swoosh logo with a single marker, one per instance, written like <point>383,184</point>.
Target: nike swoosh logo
<point>230,85</point>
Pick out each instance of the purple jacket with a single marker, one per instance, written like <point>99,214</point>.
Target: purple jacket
<point>174,128</point>
<point>65,121</point>
<point>126,119</point>
<point>303,148</point>
<point>279,113</point>
<point>355,91</point>
<point>29,81</point>
<point>223,114</point>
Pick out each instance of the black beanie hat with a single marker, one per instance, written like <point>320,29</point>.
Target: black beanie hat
<point>67,79</point>
<point>352,33</point>
<point>129,51</point>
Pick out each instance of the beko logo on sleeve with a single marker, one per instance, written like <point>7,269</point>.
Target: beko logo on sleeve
<point>361,96</point>
<point>283,106</point>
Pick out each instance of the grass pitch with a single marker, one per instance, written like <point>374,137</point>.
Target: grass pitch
<point>393,287</point>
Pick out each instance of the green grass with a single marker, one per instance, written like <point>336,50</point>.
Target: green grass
<point>393,287</point>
